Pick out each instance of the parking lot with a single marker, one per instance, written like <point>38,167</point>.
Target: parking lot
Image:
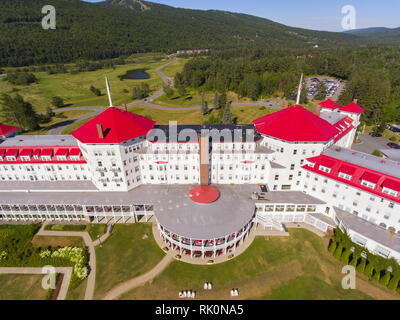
<point>369,144</point>
<point>334,86</point>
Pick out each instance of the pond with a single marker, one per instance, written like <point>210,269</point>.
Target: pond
<point>136,74</point>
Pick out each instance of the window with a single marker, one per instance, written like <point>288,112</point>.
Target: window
<point>292,167</point>
<point>325,169</point>
<point>295,151</point>
<point>291,177</point>
<point>368,184</point>
<point>390,192</point>
<point>344,176</point>
<point>277,177</point>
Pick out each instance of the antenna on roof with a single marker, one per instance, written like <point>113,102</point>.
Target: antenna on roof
<point>109,92</point>
<point>300,89</point>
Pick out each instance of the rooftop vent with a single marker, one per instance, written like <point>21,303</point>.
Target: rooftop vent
<point>100,130</point>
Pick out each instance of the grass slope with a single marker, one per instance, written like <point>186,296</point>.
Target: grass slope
<point>21,287</point>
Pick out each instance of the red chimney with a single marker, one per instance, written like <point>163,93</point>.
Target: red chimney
<point>285,104</point>
<point>124,107</point>
<point>317,109</point>
<point>100,130</point>
<point>355,101</point>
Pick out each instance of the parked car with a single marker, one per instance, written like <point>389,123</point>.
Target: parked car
<point>375,134</point>
<point>393,145</point>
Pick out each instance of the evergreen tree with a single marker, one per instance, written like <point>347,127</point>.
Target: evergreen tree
<point>222,100</point>
<point>169,91</point>
<point>16,111</point>
<point>135,93</point>
<point>57,102</point>
<point>216,100</point>
<point>182,91</point>
<point>95,91</point>
<point>227,117</point>
<point>204,104</point>
<point>321,91</point>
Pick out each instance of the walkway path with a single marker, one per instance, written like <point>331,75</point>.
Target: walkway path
<point>139,281</point>
<point>67,271</point>
<point>148,102</point>
<point>92,254</point>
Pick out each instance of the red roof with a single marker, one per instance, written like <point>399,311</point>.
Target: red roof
<point>328,163</point>
<point>118,126</point>
<point>2,152</point>
<point>357,174</point>
<point>62,152</point>
<point>370,177</point>
<point>46,152</point>
<point>25,152</point>
<point>329,104</point>
<point>392,184</point>
<point>347,169</point>
<point>4,129</point>
<point>352,107</point>
<point>12,152</point>
<point>75,152</point>
<point>295,124</point>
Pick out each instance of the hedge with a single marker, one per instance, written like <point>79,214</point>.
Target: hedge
<point>361,266</point>
<point>332,247</point>
<point>338,251</point>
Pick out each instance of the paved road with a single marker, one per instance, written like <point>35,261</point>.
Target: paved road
<point>57,129</point>
<point>67,271</point>
<point>369,144</point>
<point>139,281</point>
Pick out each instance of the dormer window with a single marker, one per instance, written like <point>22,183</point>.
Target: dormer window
<point>344,176</point>
<point>25,158</point>
<point>370,179</point>
<point>325,169</point>
<point>368,184</point>
<point>390,192</point>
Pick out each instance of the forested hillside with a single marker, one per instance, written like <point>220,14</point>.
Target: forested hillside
<point>373,75</point>
<point>121,27</point>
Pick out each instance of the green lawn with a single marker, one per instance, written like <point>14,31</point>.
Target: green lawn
<point>175,67</point>
<point>95,230</point>
<point>298,267</point>
<point>74,88</point>
<point>21,287</point>
<point>125,255</point>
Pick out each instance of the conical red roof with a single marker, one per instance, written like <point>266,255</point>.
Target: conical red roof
<point>4,129</point>
<point>329,104</point>
<point>296,124</point>
<point>118,126</point>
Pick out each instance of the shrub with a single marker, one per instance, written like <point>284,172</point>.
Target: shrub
<point>369,270</point>
<point>394,283</point>
<point>354,260</point>
<point>361,266</point>
<point>377,276</point>
<point>345,256</point>
<point>57,102</point>
<point>95,91</point>
<point>338,251</point>
<point>385,279</point>
<point>332,247</point>
<point>377,153</point>
<point>21,78</point>
<point>394,139</point>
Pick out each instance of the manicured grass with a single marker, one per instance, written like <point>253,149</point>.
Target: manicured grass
<point>74,88</point>
<point>58,241</point>
<point>175,67</point>
<point>65,227</point>
<point>95,230</point>
<point>125,255</point>
<point>57,119</point>
<point>21,287</point>
<point>283,264</point>
<point>72,127</point>
<point>77,293</point>
<point>246,114</point>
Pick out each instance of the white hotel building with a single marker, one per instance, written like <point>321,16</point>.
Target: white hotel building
<point>207,186</point>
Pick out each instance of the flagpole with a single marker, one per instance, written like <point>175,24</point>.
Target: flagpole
<point>300,89</point>
<point>109,92</point>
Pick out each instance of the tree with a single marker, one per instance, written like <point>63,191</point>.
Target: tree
<point>19,112</point>
<point>57,102</point>
<point>361,265</point>
<point>332,247</point>
<point>385,279</point>
<point>369,269</point>
<point>169,91</point>
<point>345,256</point>
<point>204,104</point>
<point>321,91</point>
<point>216,100</point>
<point>338,251</point>
<point>49,112</point>
<point>227,116</point>
<point>95,91</point>
<point>135,93</point>
<point>182,91</point>
<point>222,100</point>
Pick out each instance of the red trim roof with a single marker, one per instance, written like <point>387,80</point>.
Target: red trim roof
<point>25,152</point>
<point>48,151</point>
<point>327,163</point>
<point>296,124</point>
<point>352,108</point>
<point>358,174</point>
<point>5,129</point>
<point>62,152</point>
<point>11,152</point>
<point>118,126</point>
<point>370,177</point>
<point>392,184</point>
<point>329,104</point>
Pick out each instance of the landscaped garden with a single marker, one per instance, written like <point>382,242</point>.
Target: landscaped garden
<point>126,254</point>
<point>295,267</point>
